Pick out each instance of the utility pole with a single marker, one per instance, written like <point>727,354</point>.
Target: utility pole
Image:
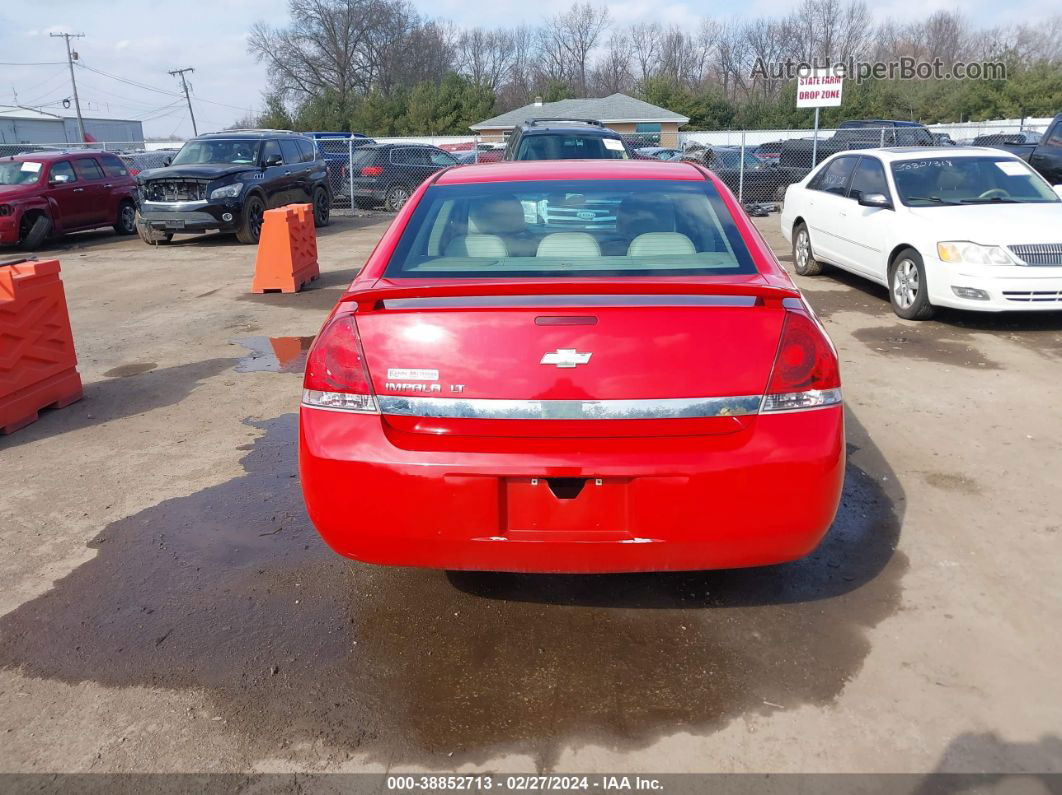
<point>187,99</point>
<point>70,62</point>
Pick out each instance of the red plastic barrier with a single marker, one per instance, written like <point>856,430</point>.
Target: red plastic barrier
<point>38,365</point>
<point>287,251</point>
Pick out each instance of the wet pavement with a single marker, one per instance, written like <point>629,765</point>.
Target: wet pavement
<point>231,590</point>
<point>274,354</point>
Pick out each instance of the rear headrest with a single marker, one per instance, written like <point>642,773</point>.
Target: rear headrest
<point>661,244</point>
<point>476,246</point>
<point>651,212</point>
<point>569,244</point>
<point>502,216</point>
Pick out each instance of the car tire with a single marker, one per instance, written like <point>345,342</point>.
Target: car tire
<point>126,222</point>
<point>33,231</point>
<point>396,197</point>
<point>321,207</point>
<point>804,262</point>
<point>908,291</point>
<point>251,219</point>
<point>150,236</point>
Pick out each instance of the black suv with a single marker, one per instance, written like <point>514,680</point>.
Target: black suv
<point>388,174</point>
<point>227,180</point>
<point>566,139</point>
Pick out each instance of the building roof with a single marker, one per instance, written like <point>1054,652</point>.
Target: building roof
<point>19,112</point>
<point>609,110</point>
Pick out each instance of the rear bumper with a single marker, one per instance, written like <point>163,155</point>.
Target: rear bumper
<point>763,495</point>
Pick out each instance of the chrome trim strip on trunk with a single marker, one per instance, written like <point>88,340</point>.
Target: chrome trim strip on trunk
<point>540,301</point>
<point>493,409</point>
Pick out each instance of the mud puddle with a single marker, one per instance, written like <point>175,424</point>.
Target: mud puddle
<point>230,590</point>
<point>127,370</point>
<point>932,342</point>
<point>274,354</point>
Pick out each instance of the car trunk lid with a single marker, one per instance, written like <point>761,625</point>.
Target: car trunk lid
<point>588,358</point>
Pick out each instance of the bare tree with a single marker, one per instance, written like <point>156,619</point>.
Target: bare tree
<point>645,44</point>
<point>567,41</point>
<point>485,56</point>
<point>612,75</point>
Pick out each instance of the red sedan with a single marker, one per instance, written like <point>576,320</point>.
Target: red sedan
<point>574,366</point>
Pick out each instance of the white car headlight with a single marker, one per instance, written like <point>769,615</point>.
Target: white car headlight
<point>228,192</point>
<point>972,253</point>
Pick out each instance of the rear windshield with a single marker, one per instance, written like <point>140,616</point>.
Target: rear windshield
<point>943,181</point>
<point>364,156</point>
<point>558,146</point>
<point>570,228</point>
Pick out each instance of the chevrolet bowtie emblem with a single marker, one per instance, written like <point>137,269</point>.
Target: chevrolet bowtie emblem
<point>565,357</point>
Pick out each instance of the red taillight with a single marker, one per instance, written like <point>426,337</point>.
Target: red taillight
<point>134,171</point>
<point>336,374</point>
<point>805,372</point>
<point>371,171</point>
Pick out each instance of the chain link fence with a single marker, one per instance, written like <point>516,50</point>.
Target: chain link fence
<point>367,175</point>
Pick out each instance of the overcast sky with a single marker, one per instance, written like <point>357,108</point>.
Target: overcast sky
<point>141,43</point>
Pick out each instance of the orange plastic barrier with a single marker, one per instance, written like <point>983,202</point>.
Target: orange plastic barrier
<point>287,251</point>
<point>38,365</point>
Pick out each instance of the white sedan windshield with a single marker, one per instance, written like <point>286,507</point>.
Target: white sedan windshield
<point>942,181</point>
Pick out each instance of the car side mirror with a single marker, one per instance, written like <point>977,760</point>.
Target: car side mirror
<point>59,179</point>
<point>878,200</point>
<point>273,160</point>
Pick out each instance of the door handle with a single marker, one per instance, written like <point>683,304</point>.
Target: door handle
<point>78,190</point>
<point>287,173</point>
<point>108,185</point>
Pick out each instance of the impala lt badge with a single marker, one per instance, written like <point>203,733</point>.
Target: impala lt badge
<point>565,357</point>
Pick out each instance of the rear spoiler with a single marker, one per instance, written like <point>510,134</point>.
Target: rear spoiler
<point>371,298</point>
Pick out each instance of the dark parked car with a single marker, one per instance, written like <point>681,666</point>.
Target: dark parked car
<point>768,153</point>
<point>799,155</point>
<point>478,156</point>
<point>388,174</point>
<point>1021,144</point>
<point>1047,156</point>
<point>227,180</point>
<point>659,153</point>
<point>757,182</point>
<point>335,148</point>
<point>942,139</point>
<point>566,139</point>
<point>46,193</point>
<point>145,161</point>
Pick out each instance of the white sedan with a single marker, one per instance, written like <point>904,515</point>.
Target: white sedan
<point>969,228</point>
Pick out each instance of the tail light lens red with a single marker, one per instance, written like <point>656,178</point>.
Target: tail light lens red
<point>371,171</point>
<point>806,374</point>
<point>133,171</point>
<point>336,374</point>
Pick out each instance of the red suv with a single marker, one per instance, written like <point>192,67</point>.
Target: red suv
<point>52,193</point>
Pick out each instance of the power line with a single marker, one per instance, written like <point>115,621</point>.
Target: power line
<point>184,85</point>
<point>73,82</point>
<point>160,90</point>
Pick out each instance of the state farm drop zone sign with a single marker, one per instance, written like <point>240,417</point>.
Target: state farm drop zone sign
<point>820,88</point>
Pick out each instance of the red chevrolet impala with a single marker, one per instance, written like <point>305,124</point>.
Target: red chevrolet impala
<point>573,366</point>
